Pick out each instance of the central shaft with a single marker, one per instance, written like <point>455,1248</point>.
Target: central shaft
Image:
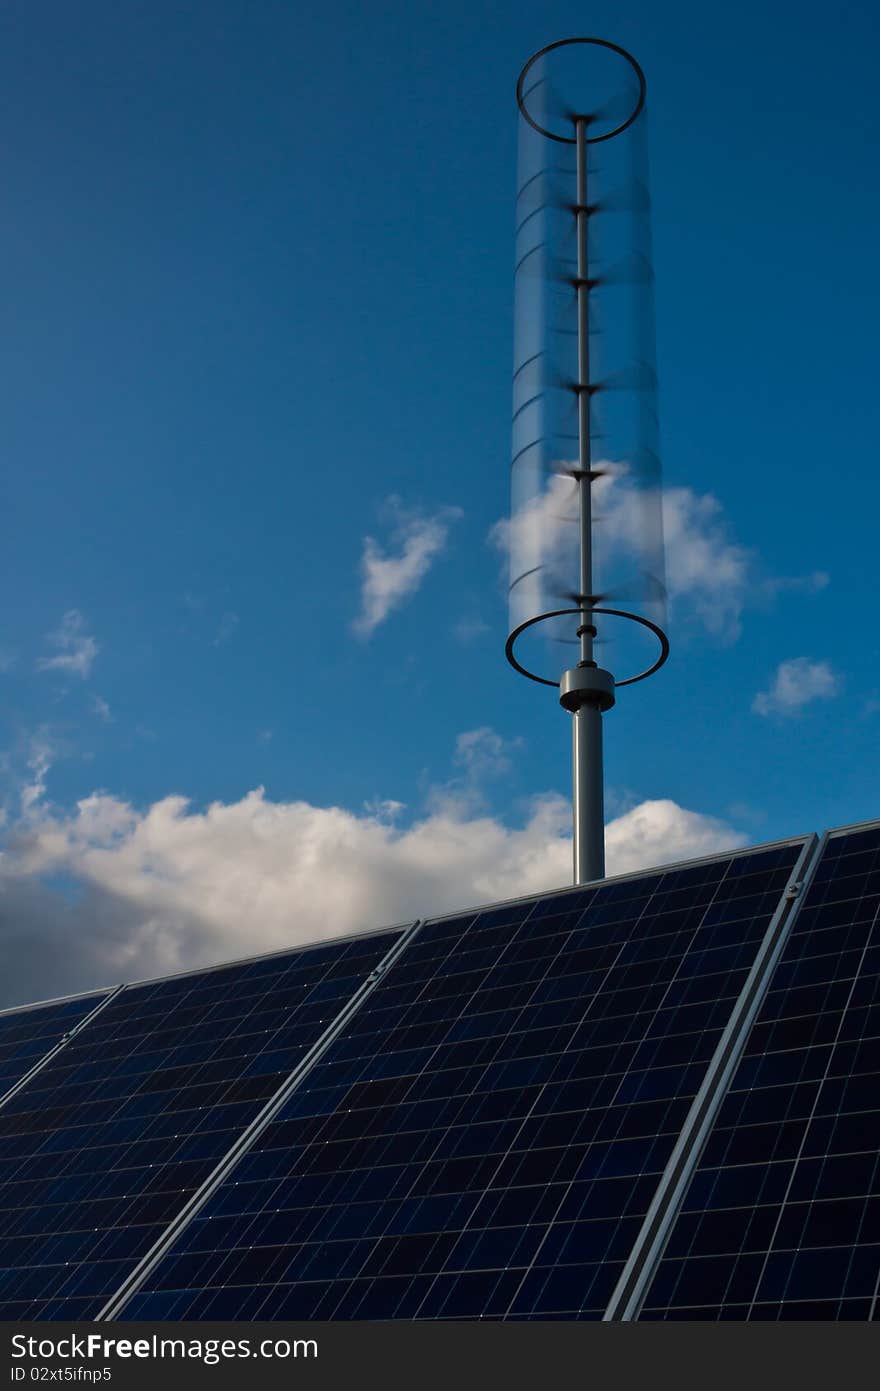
<point>585,703</point>
<point>585,500</point>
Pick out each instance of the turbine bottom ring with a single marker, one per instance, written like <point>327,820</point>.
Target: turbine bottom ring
<point>510,645</point>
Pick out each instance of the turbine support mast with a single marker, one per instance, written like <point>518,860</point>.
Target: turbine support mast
<point>549,583</point>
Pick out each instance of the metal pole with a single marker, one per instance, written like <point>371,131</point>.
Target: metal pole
<point>589,799</point>
<point>583,393</point>
<point>588,803</point>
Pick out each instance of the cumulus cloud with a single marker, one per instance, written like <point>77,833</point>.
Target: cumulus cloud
<point>706,572</point>
<point>704,567</point>
<point>660,832</point>
<point>483,752</point>
<point>107,892</point>
<point>481,755</point>
<point>710,577</point>
<point>393,573</point>
<point>796,683</point>
<point>539,539</point>
<point>77,649</point>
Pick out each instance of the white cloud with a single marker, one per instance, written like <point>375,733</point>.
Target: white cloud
<point>469,629</point>
<point>539,539</point>
<point>480,756</point>
<point>77,649</point>
<point>100,708</point>
<point>483,752</point>
<point>704,567</point>
<point>710,577</point>
<point>796,683</point>
<point>384,808</point>
<point>170,887</point>
<point>39,761</point>
<point>388,576</point>
<point>660,832</point>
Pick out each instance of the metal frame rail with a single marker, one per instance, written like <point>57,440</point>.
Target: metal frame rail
<point>117,1301</point>
<point>56,1049</point>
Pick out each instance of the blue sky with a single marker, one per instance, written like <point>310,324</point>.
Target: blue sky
<point>256,281</point>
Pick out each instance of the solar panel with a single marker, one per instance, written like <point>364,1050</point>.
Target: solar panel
<point>782,1218</point>
<point>27,1035</point>
<point>485,1136</point>
<point>102,1148</point>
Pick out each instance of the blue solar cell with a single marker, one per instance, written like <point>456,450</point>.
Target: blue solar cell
<point>485,1137</point>
<point>101,1149</point>
<point>782,1219</point>
<point>27,1035</point>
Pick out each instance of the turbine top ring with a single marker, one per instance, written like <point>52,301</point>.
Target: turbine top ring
<point>615,78</point>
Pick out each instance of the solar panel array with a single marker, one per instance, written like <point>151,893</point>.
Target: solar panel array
<point>782,1220</point>
<point>471,1120</point>
<point>26,1035</point>
<point>104,1145</point>
<point>484,1138</point>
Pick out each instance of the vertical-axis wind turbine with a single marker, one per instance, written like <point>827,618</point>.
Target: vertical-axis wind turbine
<point>585,534</point>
